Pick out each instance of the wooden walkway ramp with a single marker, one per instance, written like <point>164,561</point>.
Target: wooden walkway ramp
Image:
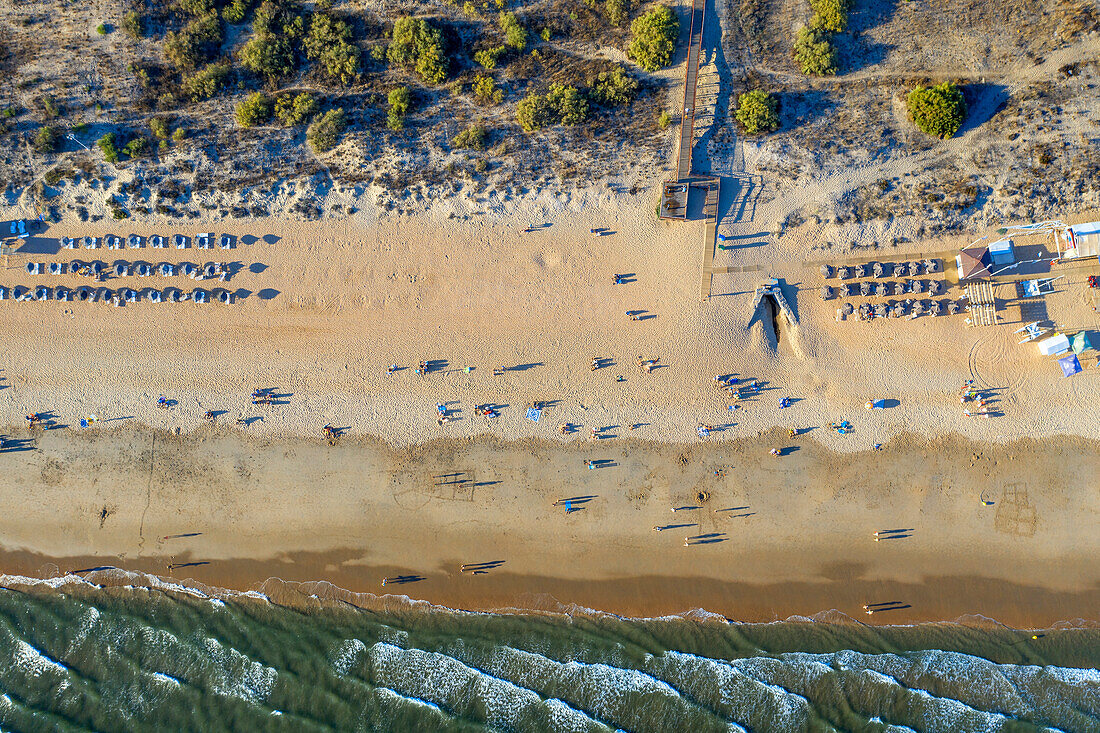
<point>691,80</point>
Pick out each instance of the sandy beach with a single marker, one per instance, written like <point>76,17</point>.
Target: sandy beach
<point>322,309</point>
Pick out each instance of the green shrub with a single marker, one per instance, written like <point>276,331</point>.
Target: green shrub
<point>45,139</point>
<point>206,82</point>
<point>107,145</point>
<point>159,127</point>
<point>268,55</point>
<point>616,11</point>
<point>133,25</point>
<point>195,8</point>
<point>235,11</point>
<point>829,15</point>
<point>814,52</point>
<point>664,120</point>
<point>50,110</point>
<point>399,100</point>
<point>488,57</point>
<point>653,38</point>
<point>329,41</point>
<point>534,112</point>
<point>101,29</point>
<point>472,138</point>
<point>485,91</point>
<point>613,88</point>
<point>194,45</point>
<point>179,134</point>
<point>294,109</point>
<point>254,110</point>
<point>758,111</point>
<point>325,131</point>
<point>514,34</point>
<point>938,110</point>
<point>419,45</point>
<point>561,103</point>
<point>137,147</point>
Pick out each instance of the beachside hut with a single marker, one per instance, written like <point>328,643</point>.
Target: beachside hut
<point>1081,342</point>
<point>1056,344</point>
<point>973,262</point>
<point>1070,365</point>
<point>1002,252</point>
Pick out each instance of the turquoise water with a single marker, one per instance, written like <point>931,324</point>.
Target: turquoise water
<point>134,659</point>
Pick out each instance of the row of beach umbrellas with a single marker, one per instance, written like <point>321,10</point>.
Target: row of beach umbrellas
<point>883,289</point>
<point>881,269</point>
<point>133,241</point>
<point>106,295</point>
<point>899,308</point>
<point>121,268</point>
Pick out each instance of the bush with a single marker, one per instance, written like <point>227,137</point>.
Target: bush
<point>664,120</point>
<point>561,103</point>
<point>418,44</point>
<point>472,138</point>
<point>45,140</point>
<point>159,127</point>
<point>829,15</point>
<point>101,29</point>
<point>107,145</point>
<point>137,147</point>
<point>133,25</point>
<point>50,110</point>
<point>235,11</point>
<point>197,43</point>
<point>326,129</point>
<point>399,100</point>
<point>757,111</point>
<point>814,52</point>
<point>533,112</point>
<point>268,55</point>
<point>329,41</point>
<point>294,109</point>
<point>938,110</point>
<point>254,110</point>
<point>485,91</point>
<point>514,35</point>
<point>195,7</point>
<point>613,88</point>
<point>205,82</point>
<point>179,134</point>
<point>488,57</point>
<point>653,38</point>
<point>616,11</point>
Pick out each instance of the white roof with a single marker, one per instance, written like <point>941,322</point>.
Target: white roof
<point>1056,344</point>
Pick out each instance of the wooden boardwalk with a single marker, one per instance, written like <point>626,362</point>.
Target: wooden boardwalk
<point>691,80</point>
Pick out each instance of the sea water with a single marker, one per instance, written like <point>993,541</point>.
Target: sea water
<point>79,657</point>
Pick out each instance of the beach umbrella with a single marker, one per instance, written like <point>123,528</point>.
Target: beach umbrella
<point>826,292</point>
<point>826,271</point>
<point>844,273</point>
<point>900,270</point>
<point>1070,365</point>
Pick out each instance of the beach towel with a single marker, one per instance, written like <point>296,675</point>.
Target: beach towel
<point>533,414</point>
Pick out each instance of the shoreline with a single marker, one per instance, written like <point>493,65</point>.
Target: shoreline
<point>119,497</point>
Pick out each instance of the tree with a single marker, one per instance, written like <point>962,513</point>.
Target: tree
<point>653,38</point>
<point>399,100</point>
<point>323,134</point>
<point>514,34</point>
<point>45,140</point>
<point>197,43</point>
<point>137,147</point>
<point>613,88</point>
<point>235,11</point>
<point>757,111</point>
<point>485,91</point>
<point>419,45</point>
<point>329,41</point>
<point>829,15</point>
<point>254,110</point>
<point>206,82</point>
<point>938,110</point>
<point>488,57</point>
<point>568,104</point>
<point>616,11</point>
<point>268,55</point>
<point>159,127</point>
<point>294,109</point>
<point>814,52</point>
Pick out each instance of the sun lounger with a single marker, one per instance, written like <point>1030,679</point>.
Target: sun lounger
<point>143,269</point>
<point>114,242</point>
<point>199,295</point>
<point>206,240</point>
<point>84,294</point>
<point>134,241</point>
<point>68,243</point>
<point>42,293</point>
<point>188,270</point>
<point>166,269</point>
<point>181,241</point>
<point>64,294</point>
<point>57,268</point>
<point>226,241</point>
<point>153,296</point>
<point>3,293</point>
<point>157,242</point>
<point>209,270</point>
<point>222,295</point>
<point>129,295</point>
<point>122,269</point>
<point>90,242</point>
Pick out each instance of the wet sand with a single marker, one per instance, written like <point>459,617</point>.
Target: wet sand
<point>360,511</point>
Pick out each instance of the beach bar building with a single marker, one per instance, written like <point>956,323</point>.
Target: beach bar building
<point>973,263</point>
<point>1001,252</point>
<point>1077,242</point>
<point>1056,344</point>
